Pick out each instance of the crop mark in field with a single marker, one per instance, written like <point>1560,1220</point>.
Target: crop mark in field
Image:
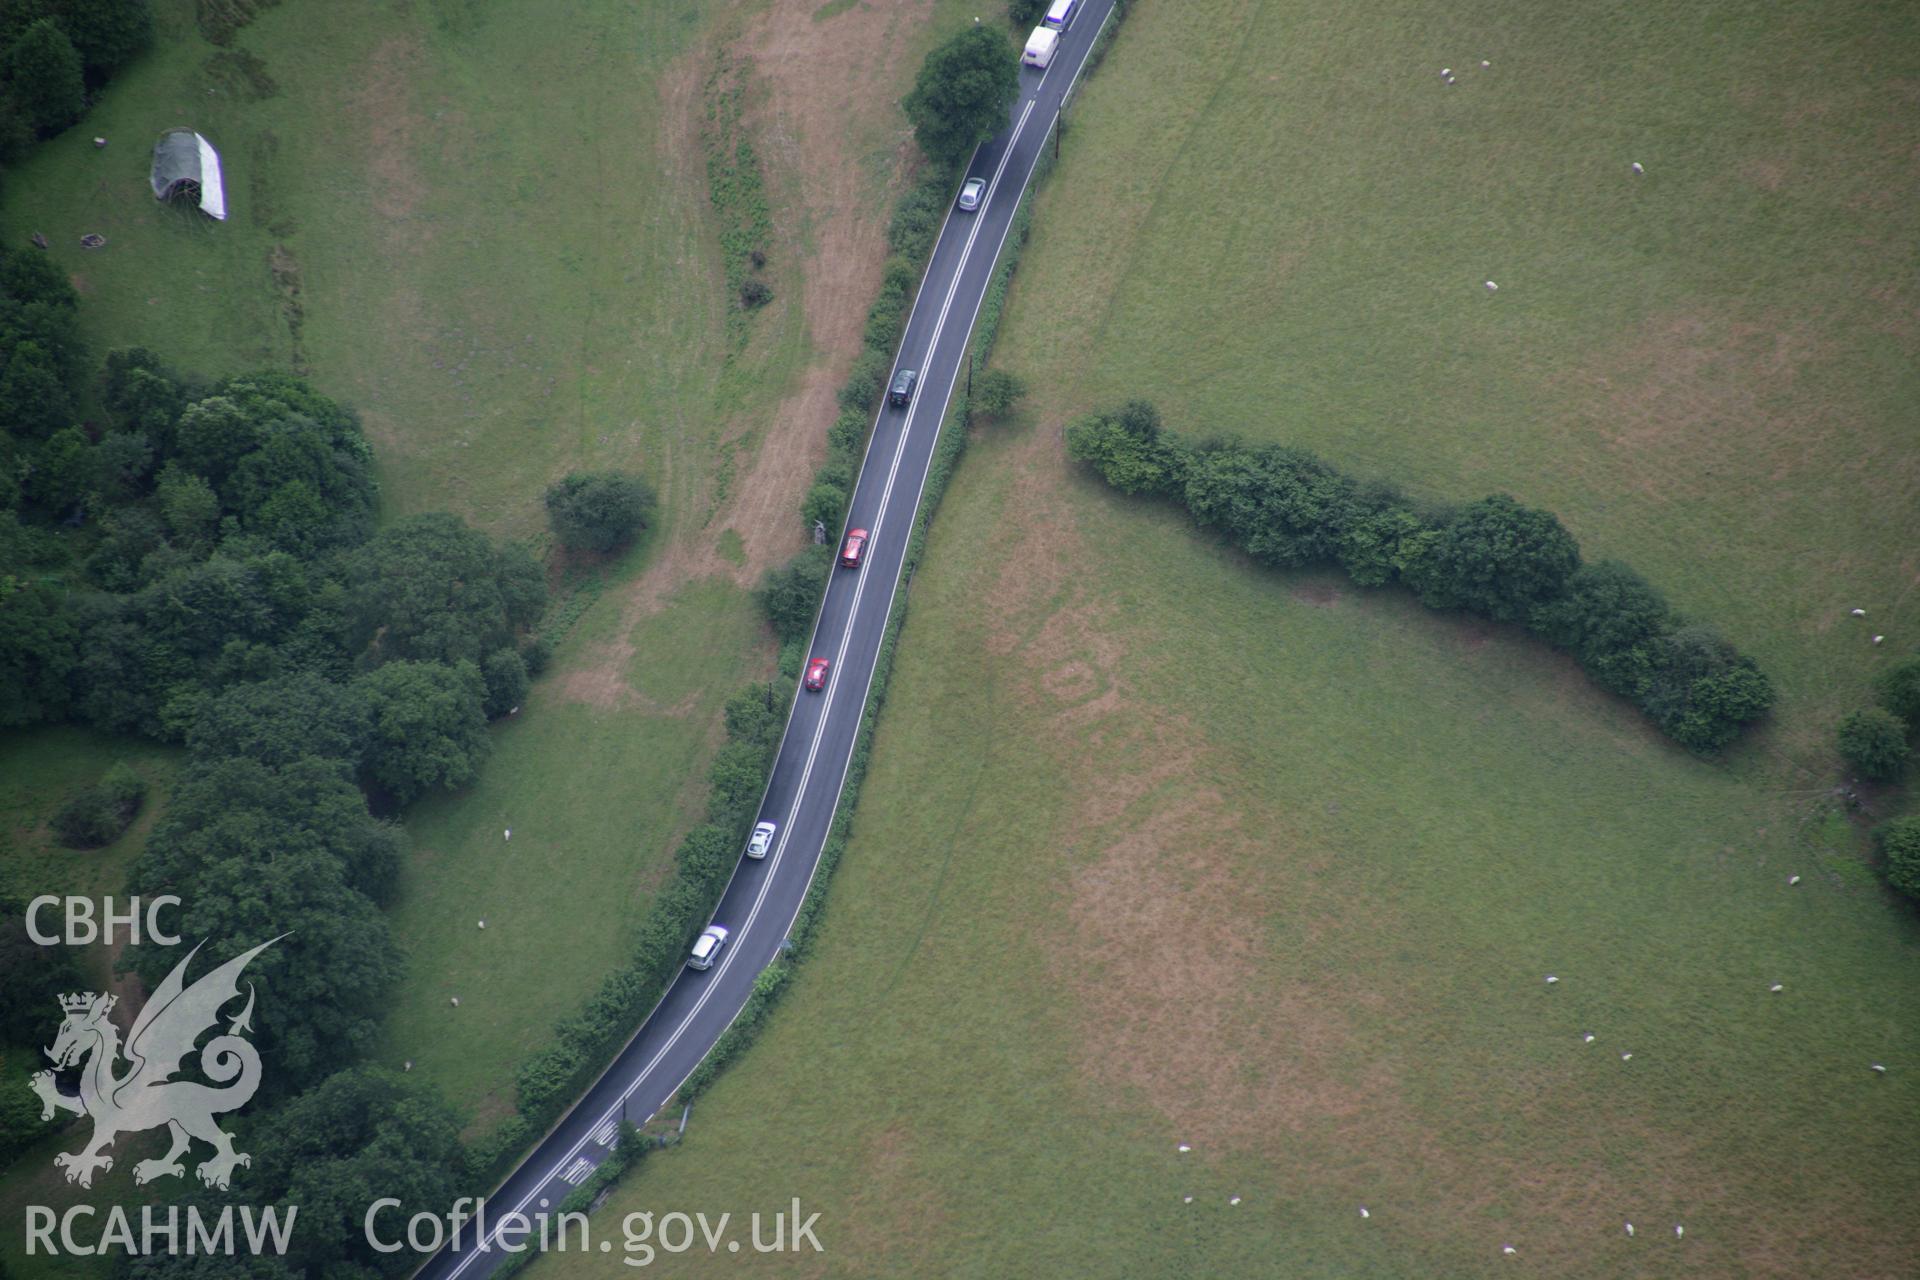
<point>816,85</point>
<point>240,75</point>
<point>285,270</point>
<point>393,129</point>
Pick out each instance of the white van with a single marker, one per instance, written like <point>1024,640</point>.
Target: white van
<point>1041,46</point>
<point>1060,14</point>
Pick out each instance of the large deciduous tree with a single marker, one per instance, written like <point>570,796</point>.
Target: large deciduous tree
<point>429,726</point>
<point>43,75</point>
<point>363,1135</point>
<point>430,588</point>
<point>964,94</point>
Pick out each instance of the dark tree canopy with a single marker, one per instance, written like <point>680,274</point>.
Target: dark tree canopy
<point>39,649</point>
<point>1126,447</point>
<point>1899,843</point>
<point>790,593</point>
<point>1873,742</point>
<point>1607,618</point>
<point>1898,688</point>
<point>106,33</point>
<point>1499,559</point>
<point>254,854</point>
<point>964,94</point>
<point>430,588</point>
<point>429,726</point>
<point>1289,509</point>
<point>363,1135</point>
<point>599,511</point>
<point>32,979</point>
<point>283,719</point>
<point>44,77</point>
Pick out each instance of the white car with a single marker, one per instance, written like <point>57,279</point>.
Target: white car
<point>762,840</point>
<point>970,194</point>
<point>706,947</point>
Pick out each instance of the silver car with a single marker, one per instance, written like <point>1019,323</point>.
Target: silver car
<point>762,840</point>
<point>971,193</point>
<point>706,947</point>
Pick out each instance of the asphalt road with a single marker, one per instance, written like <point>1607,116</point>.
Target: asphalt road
<point>764,896</point>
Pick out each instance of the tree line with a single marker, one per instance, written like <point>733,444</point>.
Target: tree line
<point>196,562</point>
<point>1494,558</point>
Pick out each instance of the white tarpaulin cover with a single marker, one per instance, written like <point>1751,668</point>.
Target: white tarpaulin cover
<point>183,159</point>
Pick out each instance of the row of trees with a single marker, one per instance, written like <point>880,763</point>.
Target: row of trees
<point>1495,558</point>
<point>1876,743</point>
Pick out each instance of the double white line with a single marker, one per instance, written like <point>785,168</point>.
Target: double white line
<point>613,1114</point>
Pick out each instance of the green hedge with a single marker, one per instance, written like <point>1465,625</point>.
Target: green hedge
<point>772,981</point>
<point>585,1042</point>
<point>1496,558</point>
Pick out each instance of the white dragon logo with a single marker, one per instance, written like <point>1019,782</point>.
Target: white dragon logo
<point>145,1098</point>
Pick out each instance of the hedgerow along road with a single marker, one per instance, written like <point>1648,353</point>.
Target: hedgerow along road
<point>763,897</point>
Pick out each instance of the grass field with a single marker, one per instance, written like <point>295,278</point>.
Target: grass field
<point>488,228</point>
<point>505,296</point>
<point>1159,848</point>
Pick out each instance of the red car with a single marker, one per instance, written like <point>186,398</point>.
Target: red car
<point>856,546</point>
<point>817,674</point>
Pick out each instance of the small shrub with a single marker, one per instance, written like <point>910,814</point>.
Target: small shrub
<point>1126,448</point>
<point>1899,843</point>
<point>97,815</point>
<point>600,510</point>
<point>996,392</point>
<point>755,293</point>
<point>1024,13</point>
<point>789,594</point>
<point>826,503</point>
<point>1873,742</point>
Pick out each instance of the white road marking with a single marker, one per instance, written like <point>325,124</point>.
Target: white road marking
<point>773,859</point>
